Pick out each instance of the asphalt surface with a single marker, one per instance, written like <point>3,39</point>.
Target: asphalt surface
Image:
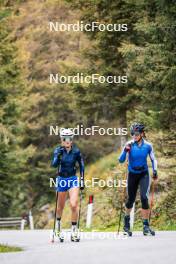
<point>93,248</point>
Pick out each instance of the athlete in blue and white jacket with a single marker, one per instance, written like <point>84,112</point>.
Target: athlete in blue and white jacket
<point>137,151</point>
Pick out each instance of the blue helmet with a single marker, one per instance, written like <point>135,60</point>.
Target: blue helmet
<point>137,127</point>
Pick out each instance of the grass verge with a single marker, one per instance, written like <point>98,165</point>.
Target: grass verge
<point>5,248</point>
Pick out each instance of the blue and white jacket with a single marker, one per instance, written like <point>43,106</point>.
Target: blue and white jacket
<point>137,156</point>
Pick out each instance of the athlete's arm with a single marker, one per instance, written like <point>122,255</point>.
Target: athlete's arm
<point>153,160</point>
<point>124,152</point>
<point>81,167</point>
<point>56,157</point>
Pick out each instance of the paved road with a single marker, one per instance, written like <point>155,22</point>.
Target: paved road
<point>94,248</point>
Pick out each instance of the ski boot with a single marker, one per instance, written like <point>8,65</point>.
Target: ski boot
<point>126,227</point>
<point>60,236</point>
<point>147,231</point>
<point>75,237</point>
<point>58,233</point>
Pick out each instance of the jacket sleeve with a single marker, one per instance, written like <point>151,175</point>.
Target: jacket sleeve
<point>122,156</point>
<point>81,164</point>
<point>56,159</point>
<point>152,158</point>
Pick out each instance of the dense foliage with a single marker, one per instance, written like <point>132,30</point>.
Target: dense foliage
<point>29,105</point>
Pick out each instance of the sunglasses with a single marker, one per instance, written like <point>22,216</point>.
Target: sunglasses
<point>136,133</point>
<point>67,139</point>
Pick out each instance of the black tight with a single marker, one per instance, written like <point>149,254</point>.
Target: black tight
<point>135,180</point>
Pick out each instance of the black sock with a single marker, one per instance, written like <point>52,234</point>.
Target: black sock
<point>74,223</point>
<point>127,221</point>
<point>58,218</point>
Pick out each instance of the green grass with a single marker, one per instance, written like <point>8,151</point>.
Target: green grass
<point>5,248</point>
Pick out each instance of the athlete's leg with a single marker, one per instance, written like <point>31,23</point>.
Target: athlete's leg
<point>132,186</point>
<point>73,194</point>
<point>61,203</point>
<point>144,193</point>
<point>60,206</point>
<point>144,190</point>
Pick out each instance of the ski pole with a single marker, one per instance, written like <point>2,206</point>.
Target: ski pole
<point>121,204</point>
<point>152,199</point>
<point>79,214</point>
<point>55,217</point>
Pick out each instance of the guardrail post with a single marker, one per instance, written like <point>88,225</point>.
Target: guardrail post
<point>31,222</point>
<point>23,221</point>
<point>89,212</point>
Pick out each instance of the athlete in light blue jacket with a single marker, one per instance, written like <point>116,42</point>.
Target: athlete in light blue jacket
<point>137,151</point>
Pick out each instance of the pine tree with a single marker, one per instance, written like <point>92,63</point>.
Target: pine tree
<point>152,61</point>
<point>13,157</point>
<point>107,101</point>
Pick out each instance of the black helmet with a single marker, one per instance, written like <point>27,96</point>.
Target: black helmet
<point>137,127</point>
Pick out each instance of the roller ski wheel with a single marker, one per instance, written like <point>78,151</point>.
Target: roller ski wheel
<point>61,239</point>
<point>147,231</point>
<point>75,237</point>
<point>127,232</point>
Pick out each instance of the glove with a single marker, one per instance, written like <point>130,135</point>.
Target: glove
<point>82,184</point>
<point>155,175</point>
<point>127,148</point>
<point>60,152</point>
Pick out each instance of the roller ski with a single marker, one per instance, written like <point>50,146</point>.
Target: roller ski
<point>75,237</point>
<point>127,232</point>
<point>57,236</point>
<point>126,228</point>
<point>147,231</point>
